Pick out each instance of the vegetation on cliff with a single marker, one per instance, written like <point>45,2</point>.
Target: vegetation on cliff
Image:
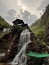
<point>3,22</point>
<point>41,28</point>
<point>40,25</point>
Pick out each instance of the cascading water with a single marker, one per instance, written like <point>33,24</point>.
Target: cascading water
<point>20,58</point>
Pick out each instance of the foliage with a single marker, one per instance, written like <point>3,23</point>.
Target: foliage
<point>39,26</point>
<point>3,22</point>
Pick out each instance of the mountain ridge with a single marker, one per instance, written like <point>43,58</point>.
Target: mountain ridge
<point>40,25</point>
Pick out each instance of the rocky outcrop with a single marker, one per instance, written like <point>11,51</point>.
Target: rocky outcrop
<point>12,41</point>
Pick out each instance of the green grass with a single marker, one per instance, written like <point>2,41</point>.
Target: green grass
<point>40,25</point>
<point>38,29</point>
<point>3,22</point>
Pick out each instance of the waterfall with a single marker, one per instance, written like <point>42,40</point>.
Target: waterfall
<point>24,40</point>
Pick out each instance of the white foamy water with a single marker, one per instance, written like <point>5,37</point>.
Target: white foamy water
<point>20,58</point>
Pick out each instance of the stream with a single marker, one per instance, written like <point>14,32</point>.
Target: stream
<point>20,58</point>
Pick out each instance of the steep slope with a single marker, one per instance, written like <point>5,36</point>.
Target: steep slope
<point>39,26</point>
<point>3,25</point>
<point>3,22</point>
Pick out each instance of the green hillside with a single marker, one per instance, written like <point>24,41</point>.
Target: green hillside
<point>40,25</point>
<point>3,22</point>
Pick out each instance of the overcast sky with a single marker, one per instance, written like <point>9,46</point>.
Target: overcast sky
<point>28,10</point>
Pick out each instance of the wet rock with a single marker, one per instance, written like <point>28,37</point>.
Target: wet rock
<point>12,43</point>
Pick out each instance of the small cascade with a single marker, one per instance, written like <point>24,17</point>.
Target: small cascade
<point>20,58</point>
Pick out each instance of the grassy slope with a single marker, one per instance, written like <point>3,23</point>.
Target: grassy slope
<point>37,29</point>
<point>39,26</point>
<point>3,22</point>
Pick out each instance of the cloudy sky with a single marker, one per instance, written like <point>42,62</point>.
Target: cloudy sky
<point>28,10</point>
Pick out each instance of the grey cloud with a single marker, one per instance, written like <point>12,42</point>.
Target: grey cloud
<point>6,5</point>
<point>3,9</point>
<point>31,6</point>
<point>11,15</point>
<point>28,17</point>
<point>43,4</point>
